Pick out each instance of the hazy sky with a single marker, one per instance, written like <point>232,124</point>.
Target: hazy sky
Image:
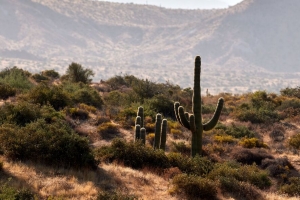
<point>187,4</point>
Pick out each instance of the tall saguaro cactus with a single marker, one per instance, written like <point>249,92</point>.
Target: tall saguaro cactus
<point>160,133</point>
<point>193,121</point>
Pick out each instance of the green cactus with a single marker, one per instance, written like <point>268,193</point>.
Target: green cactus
<point>193,121</point>
<point>140,131</point>
<point>160,133</point>
<point>140,113</point>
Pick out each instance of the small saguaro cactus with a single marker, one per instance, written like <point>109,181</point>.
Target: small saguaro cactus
<point>193,121</point>
<point>140,131</point>
<point>160,133</point>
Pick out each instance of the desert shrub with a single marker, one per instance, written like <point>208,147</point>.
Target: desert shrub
<point>6,91</point>
<point>53,95</point>
<point>197,165</point>
<point>16,78</point>
<point>53,143</point>
<point>114,98</point>
<point>242,190</point>
<point>292,188</point>
<point>115,195</point>
<point>116,82</point>
<point>256,115</point>
<point>50,73</point>
<point>252,143</point>
<point>246,173</point>
<point>76,73</point>
<point>87,108</point>
<point>11,193</point>
<point>279,167</point>
<point>102,119</point>
<point>250,156</point>
<point>176,133</point>
<point>82,93</point>
<point>133,154</point>
<point>161,104</point>
<point>294,141</point>
<point>291,92</point>
<point>237,131</point>
<point>181,147</point>
<point>224,139</point>
<point>214,148</point>
<point>108,130</point>
<point>39,78</point>
<point>77,113</point>
<point>194,187</point>
<point>150,138</point>
<point>20,113</point>
<point>261,109</point>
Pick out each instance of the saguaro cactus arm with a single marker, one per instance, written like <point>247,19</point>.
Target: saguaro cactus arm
<point>214,120</point>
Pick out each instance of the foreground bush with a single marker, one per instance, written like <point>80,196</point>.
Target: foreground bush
<point>19,114</point>
<point>133,154</point>
<point>6,91</point>
<point>245,173</point>
<point>54,95</point>
<point>197,165</point>
<point>10,193</point>
<point>53,143</point>
<point>250,156</point>
<point>293,188</point>
<point>240,189</point>
<point>194,187</point>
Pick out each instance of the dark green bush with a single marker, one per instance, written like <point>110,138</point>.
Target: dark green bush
<point>53,95</point>
<point>237,131</point>
<point>51,73</point>
<point>133,154</point>
<point>20,113</point>
<point>108,130</point>
<point>82,93</point>
<point>197,165</point>
<point>16,78</point>
<point>194,187</point>
<point>53,143</point>
<point>291,92</point>
<point>181,147</point>
<point>9,193</point>
<point>77,113</point>
<point>279,167</point>
<point>6,91</point>
<point>76,73</point>
<point>292,188</point>
<point>242,190</point>
<point>250,156</point>
<point>246,173</point>
<point>39,78</point>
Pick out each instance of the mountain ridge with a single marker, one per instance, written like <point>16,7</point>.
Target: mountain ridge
<point>154,42</point>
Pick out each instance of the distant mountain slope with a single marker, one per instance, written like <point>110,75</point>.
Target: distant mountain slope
<point>112,38</point>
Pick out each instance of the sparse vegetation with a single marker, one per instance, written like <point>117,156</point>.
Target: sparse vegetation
<point>39,125</point>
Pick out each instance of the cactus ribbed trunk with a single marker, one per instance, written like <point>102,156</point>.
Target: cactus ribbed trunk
<point>197,110</point>
<point>163,135</point>
<point>158,121</point>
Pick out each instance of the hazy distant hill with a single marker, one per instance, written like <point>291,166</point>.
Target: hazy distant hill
<point>253,45</point>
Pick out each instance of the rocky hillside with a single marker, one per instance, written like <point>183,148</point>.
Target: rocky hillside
<point>247,47</point>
